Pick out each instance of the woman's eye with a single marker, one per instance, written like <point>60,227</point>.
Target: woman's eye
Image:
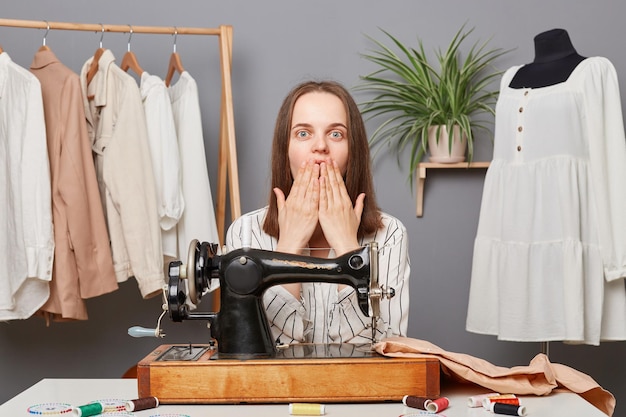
<point>302,134</point>
<point>336,135</point>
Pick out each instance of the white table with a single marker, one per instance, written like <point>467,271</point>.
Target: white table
<point>82,391</point>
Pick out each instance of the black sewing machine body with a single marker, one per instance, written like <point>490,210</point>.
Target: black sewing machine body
<point>241,327</point>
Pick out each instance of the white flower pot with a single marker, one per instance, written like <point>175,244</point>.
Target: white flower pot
<point>440,151</point>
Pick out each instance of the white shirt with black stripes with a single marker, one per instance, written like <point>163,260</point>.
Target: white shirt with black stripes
<point>323,314</point>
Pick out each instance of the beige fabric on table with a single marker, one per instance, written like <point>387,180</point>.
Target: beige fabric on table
<point>540,377</point>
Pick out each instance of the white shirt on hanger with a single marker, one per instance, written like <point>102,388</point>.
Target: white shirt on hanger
<point>198,219</point>
<point>26,231</point>
<point>165,155</point>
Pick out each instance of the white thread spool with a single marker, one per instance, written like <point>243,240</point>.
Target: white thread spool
<point>477,400</point>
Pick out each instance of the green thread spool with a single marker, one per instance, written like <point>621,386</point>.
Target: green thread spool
<point>87,410</point>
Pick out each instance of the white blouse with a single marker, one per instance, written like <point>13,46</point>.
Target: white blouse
<point>550,251</point>
<point>323,314</point>
<point>198,218</point>
<point>165,155</point>
<point>26,229</point>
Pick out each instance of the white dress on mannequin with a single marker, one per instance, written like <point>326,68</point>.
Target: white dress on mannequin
<point>550,251</point>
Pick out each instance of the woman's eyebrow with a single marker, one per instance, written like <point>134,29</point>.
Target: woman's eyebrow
<point>298,125</point>
<point>308,125</point>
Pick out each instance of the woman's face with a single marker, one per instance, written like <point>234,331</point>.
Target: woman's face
<point>319,131</point>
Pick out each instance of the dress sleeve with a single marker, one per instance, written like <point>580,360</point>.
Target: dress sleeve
<point>607,153</point>
<point>348,323</point>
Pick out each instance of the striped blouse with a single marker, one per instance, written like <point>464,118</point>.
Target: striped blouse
<point>323,314</point>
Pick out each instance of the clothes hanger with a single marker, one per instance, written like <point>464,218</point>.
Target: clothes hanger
<point>175,63</point>
<point>93,69</point>
<point>44,47</point>
<point>130,60</point>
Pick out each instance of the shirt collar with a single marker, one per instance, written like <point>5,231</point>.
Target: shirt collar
<point>98,85</point>
<point>42,59</point>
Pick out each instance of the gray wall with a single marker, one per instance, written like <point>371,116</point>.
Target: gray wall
<point>277,44</point>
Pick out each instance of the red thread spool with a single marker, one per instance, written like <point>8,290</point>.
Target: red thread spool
<point>501,400</point>
<point>142,404</point>
<point>440,404</point>
<point>415,402</point>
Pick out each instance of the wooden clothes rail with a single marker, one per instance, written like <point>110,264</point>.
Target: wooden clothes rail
<point>227,154</point>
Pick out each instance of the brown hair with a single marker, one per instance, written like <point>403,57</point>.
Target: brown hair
<point>358,178</point>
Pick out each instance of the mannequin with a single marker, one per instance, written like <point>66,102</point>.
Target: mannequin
<point>555,59</point>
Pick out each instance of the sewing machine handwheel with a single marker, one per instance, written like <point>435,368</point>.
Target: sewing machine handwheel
<point>194,250</point>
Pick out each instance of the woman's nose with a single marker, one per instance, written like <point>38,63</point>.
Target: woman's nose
<point>320,145</point>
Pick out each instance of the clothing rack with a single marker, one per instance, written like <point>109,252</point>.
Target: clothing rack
<point>227,154</point>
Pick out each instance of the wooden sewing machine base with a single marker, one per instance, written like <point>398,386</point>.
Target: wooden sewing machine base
<point>191,374</point>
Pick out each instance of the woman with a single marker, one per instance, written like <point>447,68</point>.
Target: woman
<point>322,204</point>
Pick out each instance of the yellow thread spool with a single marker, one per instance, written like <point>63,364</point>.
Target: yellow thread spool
<point>307,409</point>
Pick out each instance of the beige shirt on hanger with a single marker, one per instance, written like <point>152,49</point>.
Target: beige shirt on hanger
<point>117,130</point>
<point>83,266</point>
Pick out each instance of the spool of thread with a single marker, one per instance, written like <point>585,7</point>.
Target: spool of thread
<point>507,409</point>
<point>142,404</point>
<point>87,410</point>
<point>307,409</point>
<point>437,405</point>
<point>502,399</point>
<point>477,400</point>
<point>415,402</point>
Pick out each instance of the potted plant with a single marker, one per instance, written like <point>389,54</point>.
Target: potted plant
<point>418,97</point>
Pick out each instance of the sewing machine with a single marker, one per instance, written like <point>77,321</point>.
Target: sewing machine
<point>242,363</point>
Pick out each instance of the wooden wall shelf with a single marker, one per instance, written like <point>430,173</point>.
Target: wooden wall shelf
<point>421,177</point>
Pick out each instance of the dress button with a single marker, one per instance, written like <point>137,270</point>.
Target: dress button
<point>521,109</point>
<point>519,148</point>
<point>520,128</point>
<point>525,93</point>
